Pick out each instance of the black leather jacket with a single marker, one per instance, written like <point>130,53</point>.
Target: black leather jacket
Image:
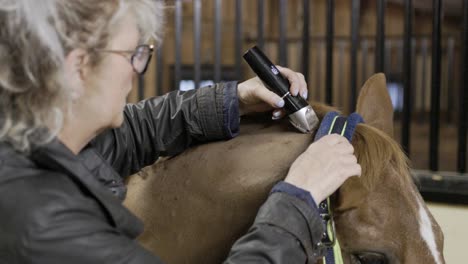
<point>57,207</point>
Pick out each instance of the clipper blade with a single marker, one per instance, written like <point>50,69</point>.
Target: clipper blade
<point>305,120</point>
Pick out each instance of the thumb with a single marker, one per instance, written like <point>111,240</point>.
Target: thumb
<point>269,97</point>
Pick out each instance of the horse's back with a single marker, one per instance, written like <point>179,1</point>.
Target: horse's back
<point>195,205</point>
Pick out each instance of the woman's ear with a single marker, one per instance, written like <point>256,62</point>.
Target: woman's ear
<point>75,71</point>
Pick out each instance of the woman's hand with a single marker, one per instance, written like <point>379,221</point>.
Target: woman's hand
<point>255,97</point>
<point>324,167</point>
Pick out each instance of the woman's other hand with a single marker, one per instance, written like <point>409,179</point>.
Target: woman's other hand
<point>324,167</point>
<point>255,97</point>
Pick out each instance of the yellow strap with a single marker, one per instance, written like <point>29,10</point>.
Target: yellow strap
<point>336,247</point>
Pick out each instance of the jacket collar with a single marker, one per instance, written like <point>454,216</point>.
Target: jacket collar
<point>56,156</point>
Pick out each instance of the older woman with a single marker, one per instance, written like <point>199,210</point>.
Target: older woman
<point>67,138</point>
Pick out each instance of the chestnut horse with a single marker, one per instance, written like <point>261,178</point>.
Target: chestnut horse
<point>195,205</point>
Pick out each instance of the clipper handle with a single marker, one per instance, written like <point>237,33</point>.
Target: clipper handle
<point>270,75</point>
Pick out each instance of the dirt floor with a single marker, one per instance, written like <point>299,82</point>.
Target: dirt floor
<point>419,145</point>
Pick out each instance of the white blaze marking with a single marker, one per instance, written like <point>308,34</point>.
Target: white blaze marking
<point>425,228</point>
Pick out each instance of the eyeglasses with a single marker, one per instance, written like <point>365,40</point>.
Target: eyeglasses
<point>139,58</point>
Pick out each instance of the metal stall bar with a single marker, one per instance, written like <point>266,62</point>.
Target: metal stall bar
<point>407,77</point>
<point>217,40</point>
<point>178,44</point>
<point>238,40</point>
<point>330,35</point>
<point>318,72</point>
<point>414,70</point>
<point>197,42</point>
<point>355,10</point>
<point>435,89</point>
<point>260,23</point>
<point>424,52</point>
<point>364,53</point>
<point>380,37</point>
<point>283,23</point>
<point>159,70</point>
<point>414,48</point>
<point>388,57</point>
<point>306,39</point>
<point>341,53</point>
<point>450,79</point>
<point>399,59</point>
<point>463,106</point>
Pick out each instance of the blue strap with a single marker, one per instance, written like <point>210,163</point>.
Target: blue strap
<point>353,120</point>
<point>325,125</point>
<point>329,120</point>
<point>333,123</point>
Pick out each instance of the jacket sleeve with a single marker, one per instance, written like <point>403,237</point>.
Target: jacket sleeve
<point>286,230</point>
<point>167,125</point>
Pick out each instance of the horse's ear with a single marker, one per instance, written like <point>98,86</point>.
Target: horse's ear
<point>374,104</point>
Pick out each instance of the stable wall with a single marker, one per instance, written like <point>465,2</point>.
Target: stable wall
<point>453,220</point>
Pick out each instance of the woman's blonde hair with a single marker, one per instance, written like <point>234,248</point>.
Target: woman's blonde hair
<point>35,37</point>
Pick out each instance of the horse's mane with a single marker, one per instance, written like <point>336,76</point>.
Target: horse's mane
<point>376,152</point>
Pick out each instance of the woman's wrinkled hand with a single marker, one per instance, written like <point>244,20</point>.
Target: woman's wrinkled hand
<point>324,167</point>
<point>255,97</point>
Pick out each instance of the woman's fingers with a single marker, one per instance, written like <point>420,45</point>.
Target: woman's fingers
<point>297,80</point>
<point>354,170</point>
<point>334,139</point>
<point>339,144</point>
<point>349,159</point>
<point>344,147</point>
<point>254,96</point>
<point>269,97</point>
<point>304,89</point>
<point>324,167</point>
<point>278,114</point>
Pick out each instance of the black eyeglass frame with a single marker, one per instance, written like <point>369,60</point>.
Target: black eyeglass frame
<point>133,53</point>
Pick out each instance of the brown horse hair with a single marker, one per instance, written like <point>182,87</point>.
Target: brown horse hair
<point>377,153</point>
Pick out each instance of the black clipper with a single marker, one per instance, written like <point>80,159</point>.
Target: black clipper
<point>301,115</point>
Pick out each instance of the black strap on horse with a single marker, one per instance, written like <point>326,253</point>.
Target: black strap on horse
<point>333,123</point>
